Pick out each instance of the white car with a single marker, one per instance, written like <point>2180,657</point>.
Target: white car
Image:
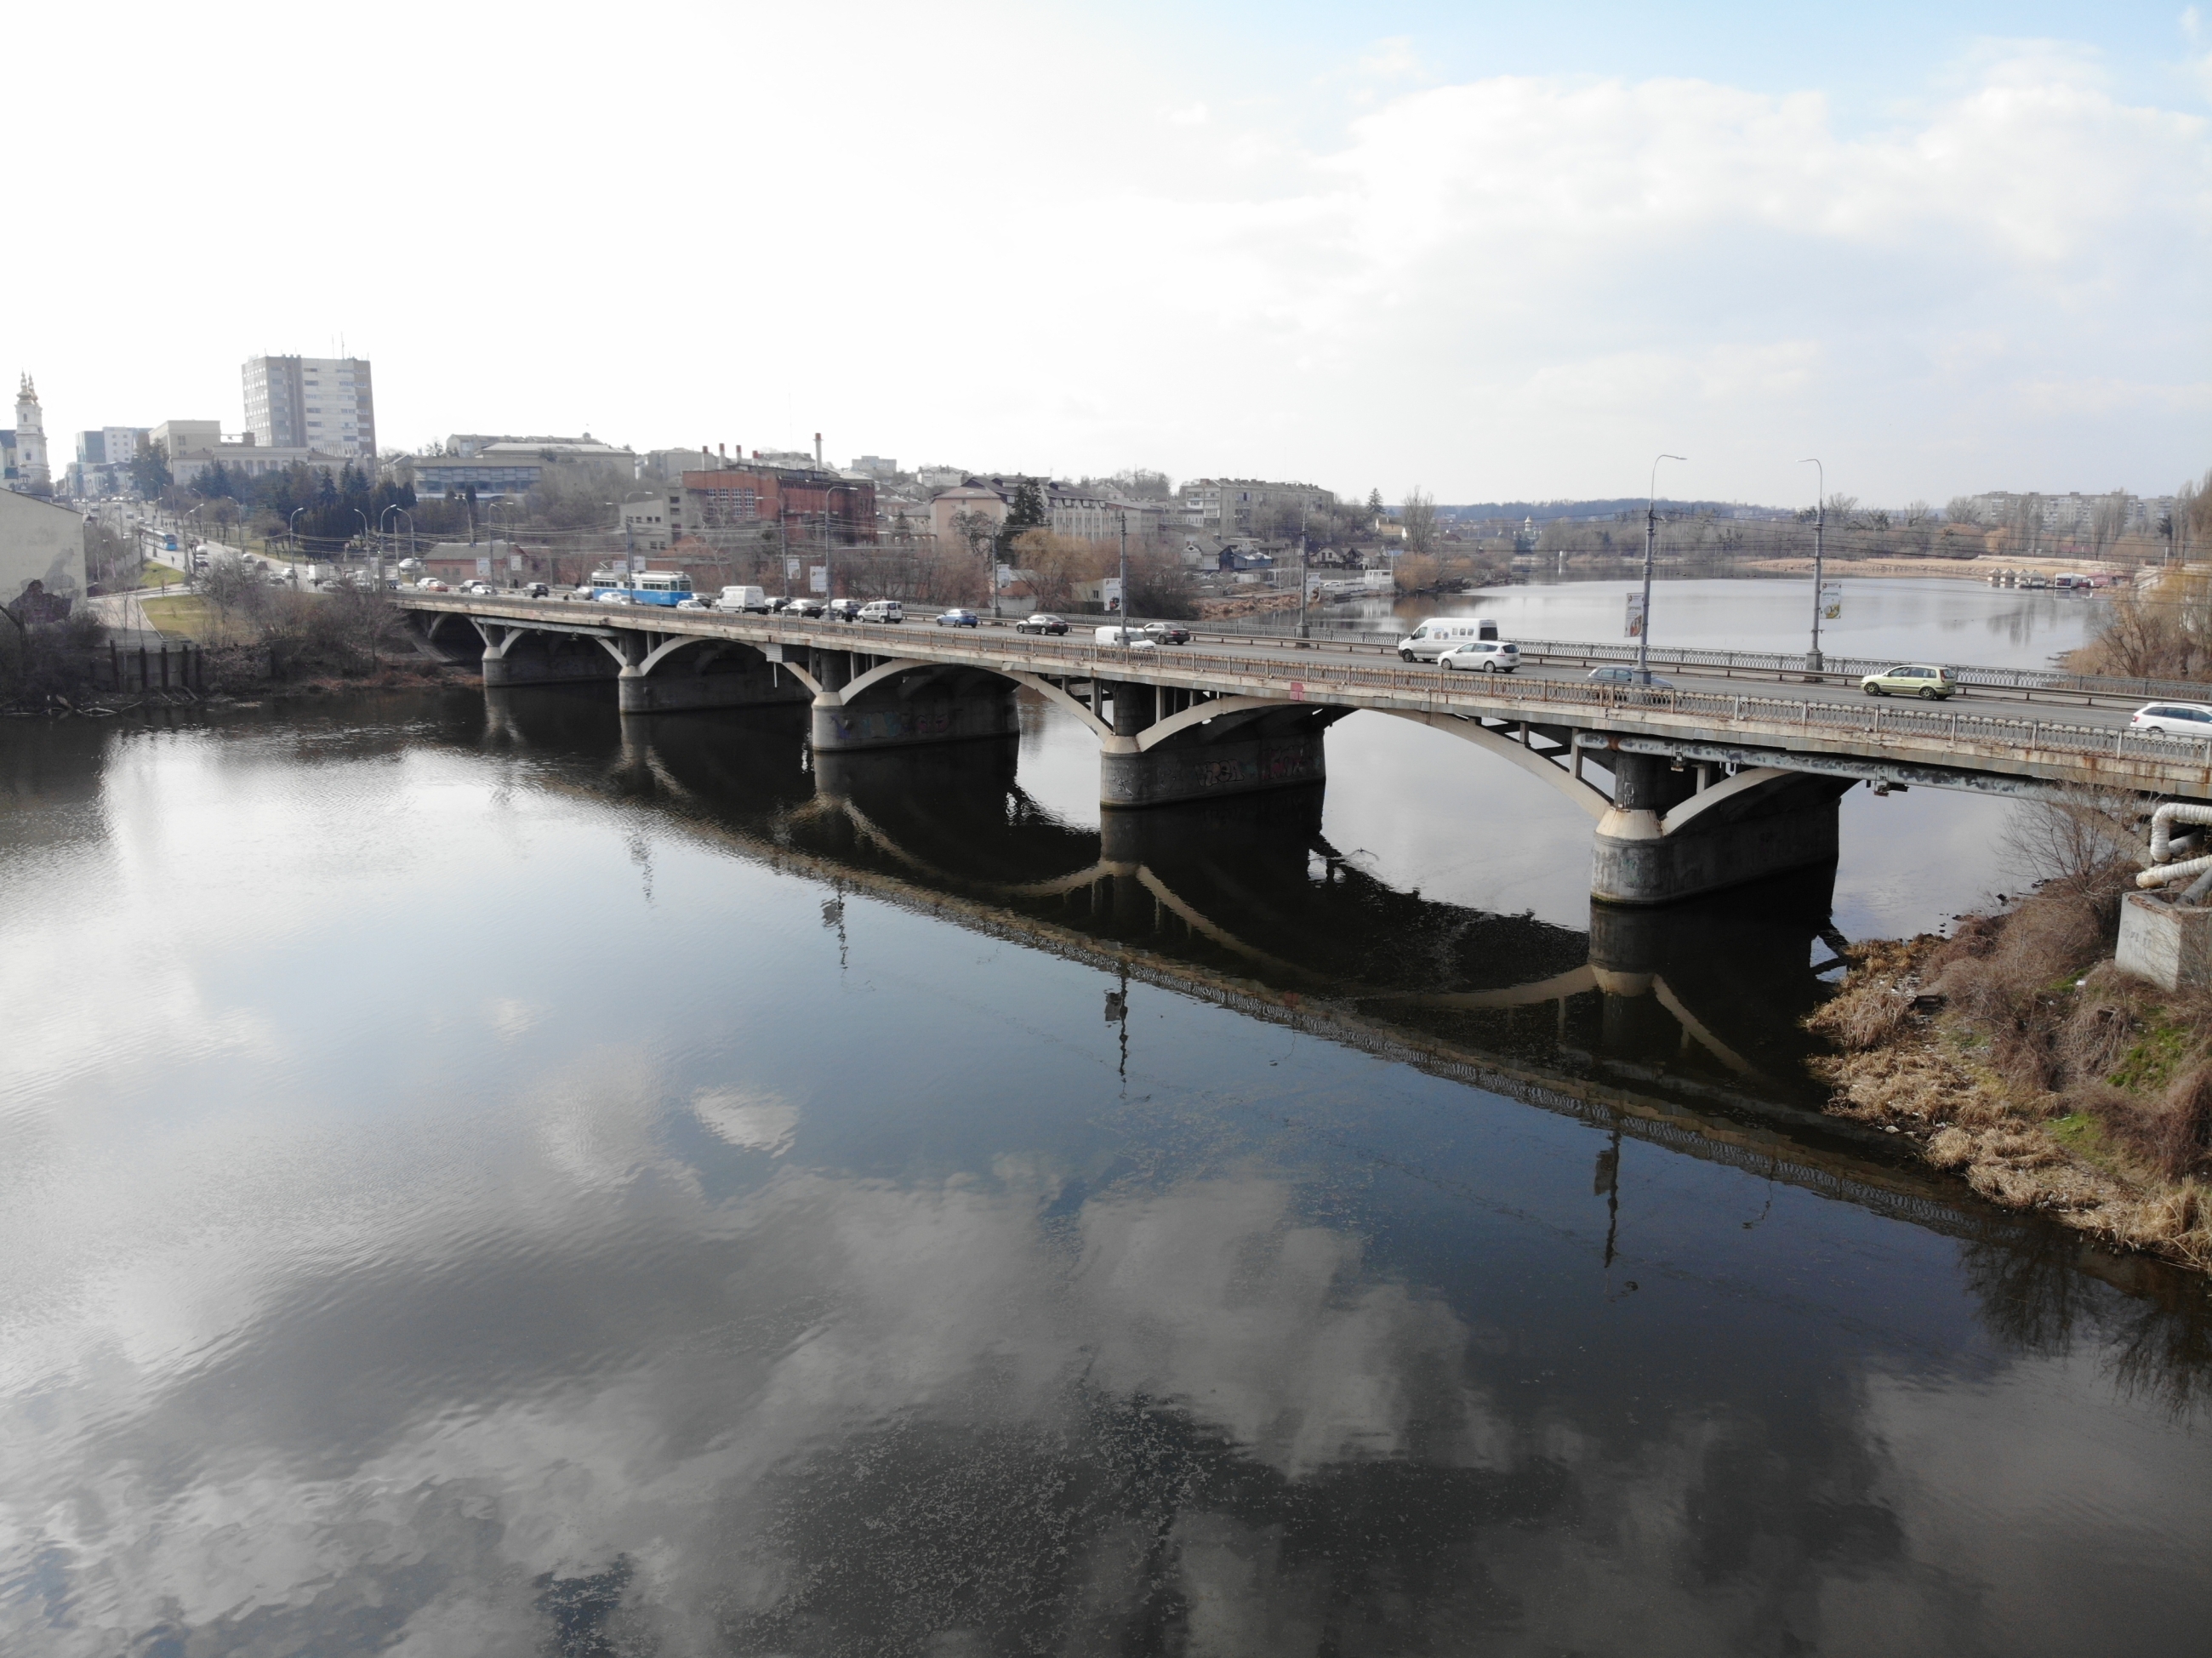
<point>2174,719</point>
<point>1123,639</point>
<point>1482,656</point>
<point>614,596</point>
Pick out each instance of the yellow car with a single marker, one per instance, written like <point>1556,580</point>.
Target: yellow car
<point>1913,679</point>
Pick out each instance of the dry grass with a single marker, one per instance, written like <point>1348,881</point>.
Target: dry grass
<point>2018,1057</point>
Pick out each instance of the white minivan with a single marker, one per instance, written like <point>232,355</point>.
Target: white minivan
<point>1123,638</point>
<point>742,598</point>
<point>883,609</point>
<point>1440,633</point>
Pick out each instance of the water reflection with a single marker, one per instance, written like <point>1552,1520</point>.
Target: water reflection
<point>725,1223</point>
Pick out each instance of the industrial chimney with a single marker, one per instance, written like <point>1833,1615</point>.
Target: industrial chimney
<point>818,450</point>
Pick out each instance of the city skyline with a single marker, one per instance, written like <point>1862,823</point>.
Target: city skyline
<point>1484,254</point>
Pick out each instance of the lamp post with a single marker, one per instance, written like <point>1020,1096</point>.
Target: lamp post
<point>1123,589</point>
<point>1819,524</point>
<point>292,527</point>
<point>1651,537</point>
<point>1305,581</point>
<point>381,518</point>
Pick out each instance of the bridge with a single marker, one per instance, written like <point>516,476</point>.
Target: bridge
<point>1720,779</point>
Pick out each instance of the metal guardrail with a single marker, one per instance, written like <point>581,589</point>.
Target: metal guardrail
<point>1874,720</point>
<point>1793,662</point>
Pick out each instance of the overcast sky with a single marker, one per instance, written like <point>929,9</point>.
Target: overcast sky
<point>1491,251</point>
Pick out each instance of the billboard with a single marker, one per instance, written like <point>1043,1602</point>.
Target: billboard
<point>1635,627</point>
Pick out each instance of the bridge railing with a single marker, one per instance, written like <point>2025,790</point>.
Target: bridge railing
<point>1841,667</point>
<point>1870,719</point>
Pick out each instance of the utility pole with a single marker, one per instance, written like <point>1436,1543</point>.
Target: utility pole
<point>1124,517</point>
<point>1305,582</point>
<point>1651,540</point>
<point>1819,524</point>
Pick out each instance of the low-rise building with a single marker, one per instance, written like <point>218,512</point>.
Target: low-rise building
<point>968,502</point>
<point>1241,507</point>
<point>805,502</point>
<point>498,467</point>
<point>42,567</point>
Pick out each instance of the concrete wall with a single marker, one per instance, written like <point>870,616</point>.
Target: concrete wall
<point>2168,943</point>
<point>920,710</point>
<point>42,542</point>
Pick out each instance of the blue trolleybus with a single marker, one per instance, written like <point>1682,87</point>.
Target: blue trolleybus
<point>668,587</point>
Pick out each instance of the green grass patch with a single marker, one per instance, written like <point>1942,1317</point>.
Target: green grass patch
<point>183,615</point>
<point>2150,1063</point>
<point>160,575</point>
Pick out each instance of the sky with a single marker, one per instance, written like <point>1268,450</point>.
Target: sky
<point>1492,251</point>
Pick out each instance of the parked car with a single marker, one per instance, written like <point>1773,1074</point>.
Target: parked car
<point>957,619</point>
<point>1042,624</point>
<point>1627,676</point>
<point>883,609</point>
<point>1439,633</point>
<point>1123,638</point>
<point>1167,633</point>
<point>1482,656</point>
<point>2174,719</point>
<point>1912,679</point>
<point>842,609</point>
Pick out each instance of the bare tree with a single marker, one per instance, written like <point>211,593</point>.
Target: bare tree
<point>1419,515</point>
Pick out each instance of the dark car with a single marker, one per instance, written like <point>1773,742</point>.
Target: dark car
<point>538,590</point>
<point>842,609</point>
<point>804,607</point>
<point>1167,633</point>
<point>957,619</point>
<point>1042,624</point>
<point>1629,676</point>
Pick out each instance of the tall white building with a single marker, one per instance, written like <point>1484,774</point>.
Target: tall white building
<point>324,403</point>
<point>23,452</point>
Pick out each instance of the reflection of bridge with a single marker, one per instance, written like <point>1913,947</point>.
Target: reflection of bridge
<point>1676,1026</point>
<point>1705,789</point>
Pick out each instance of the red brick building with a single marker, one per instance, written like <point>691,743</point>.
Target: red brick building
<point>804,500</point>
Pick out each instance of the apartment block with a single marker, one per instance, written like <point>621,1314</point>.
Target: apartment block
<point>324,403</point>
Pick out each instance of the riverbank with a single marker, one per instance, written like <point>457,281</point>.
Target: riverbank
<point>2016,1054</point>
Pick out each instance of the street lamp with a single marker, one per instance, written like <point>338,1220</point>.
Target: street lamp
<point>1819,524</point>
<point>1650,536</point>
<point>292,527</point>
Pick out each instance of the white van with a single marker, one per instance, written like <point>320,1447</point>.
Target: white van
<point>1440,633</point>
<point>742,598</point>
<point>1123,639</point>
<point>883,609</point>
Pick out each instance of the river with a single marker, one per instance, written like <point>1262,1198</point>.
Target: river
<point>485,1176</point>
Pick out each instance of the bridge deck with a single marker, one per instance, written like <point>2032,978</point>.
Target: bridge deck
<point>1928,742</point>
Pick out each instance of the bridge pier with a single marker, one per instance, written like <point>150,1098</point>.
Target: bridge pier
<point>1243,752</point>
<point>1659,843</point>
<point>709,674</point>
<point>925,705</point>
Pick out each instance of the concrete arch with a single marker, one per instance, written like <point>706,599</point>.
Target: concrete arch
<point>1589,798</point>
<point>881,671</point>
<point>1059,698</point>
<point>1744,782</point>
<point>669,645</point>
<point>1200,712</point>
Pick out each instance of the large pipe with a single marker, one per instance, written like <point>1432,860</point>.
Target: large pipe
<point>2163,820</point>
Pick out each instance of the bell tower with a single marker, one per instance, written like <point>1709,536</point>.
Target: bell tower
<point>30,467</point>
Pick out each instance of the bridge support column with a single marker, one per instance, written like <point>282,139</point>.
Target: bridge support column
<point>1652,849</point>
<point>945,706</point>
<point>706,677</point>
<point>1274,748</point>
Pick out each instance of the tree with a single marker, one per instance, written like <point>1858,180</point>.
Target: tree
<point>149,471</point>
<point>1963,509</point>
<point>1420,516</point>
<point>1374,504</point>
<point>1026,512</point>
